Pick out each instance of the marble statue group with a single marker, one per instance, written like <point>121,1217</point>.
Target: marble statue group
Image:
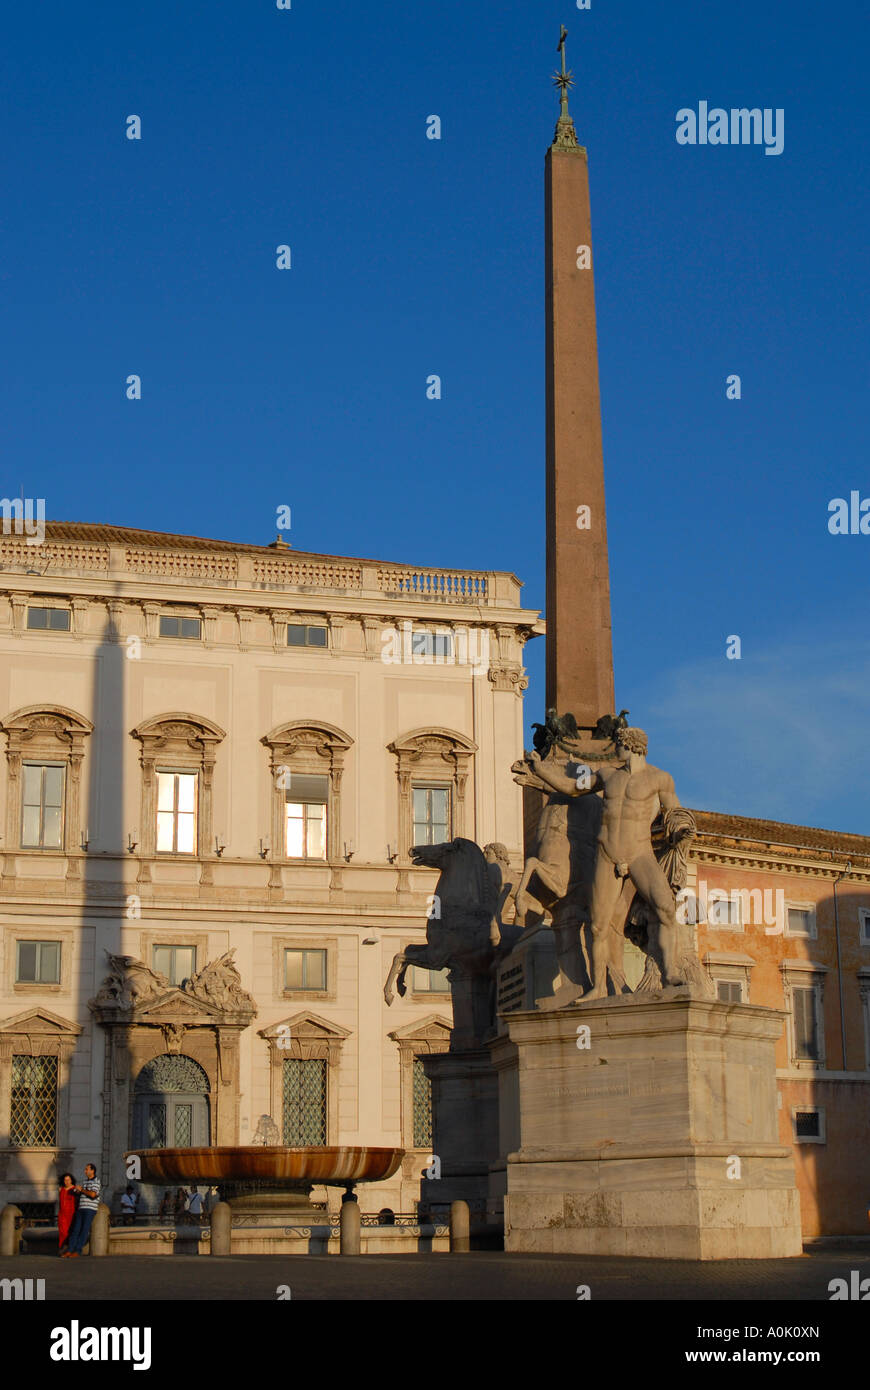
<point>609,858</point>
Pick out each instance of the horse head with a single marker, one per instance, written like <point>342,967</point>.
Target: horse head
<point>465,880</point>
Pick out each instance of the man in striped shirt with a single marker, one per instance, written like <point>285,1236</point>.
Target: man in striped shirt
<point>89,1200</point>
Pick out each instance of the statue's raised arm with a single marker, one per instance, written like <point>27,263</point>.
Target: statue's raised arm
<point>583,781</point>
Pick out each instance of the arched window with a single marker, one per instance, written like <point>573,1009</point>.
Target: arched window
<point>171,1108</point>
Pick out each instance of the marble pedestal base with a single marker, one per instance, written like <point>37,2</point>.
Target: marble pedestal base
<point>657,1136</point>
<point>464,1128</point>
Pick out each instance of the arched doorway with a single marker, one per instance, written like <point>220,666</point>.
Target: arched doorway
<point>170,1106</point>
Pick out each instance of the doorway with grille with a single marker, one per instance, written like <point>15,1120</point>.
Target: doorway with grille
<point>171,1104</point>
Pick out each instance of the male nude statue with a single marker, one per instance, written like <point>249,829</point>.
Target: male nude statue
<point>634,792</point>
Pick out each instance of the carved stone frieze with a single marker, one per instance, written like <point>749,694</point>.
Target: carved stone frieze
<point>133,993</point>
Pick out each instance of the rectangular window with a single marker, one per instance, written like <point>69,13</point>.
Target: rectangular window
<point>431,815</point>
<point>305,816</point>
<point>306,635</point>
<point>422,1107</point>
<point>806,1024</point>
<point>37,963</point>
<point>801,922</point>
<point>42,806</point>
<point>864,925</point>
<point>808,1125</point>
<point>729,991</point>
<point>53,619</point>
<point>304,1096</point>
<point>724,912</point>
<point>304,970</point>
<point>430,981</point>
<point>177,963</point>
<point>437,645</point>
<point>156,1126</point>
<point>176,812</point>
<point>34,1102</point>
<point>189,628</point>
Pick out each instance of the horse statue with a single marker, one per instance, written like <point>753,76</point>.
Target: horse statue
<point>464,932</point>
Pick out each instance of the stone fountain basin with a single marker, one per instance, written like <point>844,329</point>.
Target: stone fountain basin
<point>269,1164</point>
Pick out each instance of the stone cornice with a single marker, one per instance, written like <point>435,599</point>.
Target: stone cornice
<point>384,608</point>
<point>784,860</point>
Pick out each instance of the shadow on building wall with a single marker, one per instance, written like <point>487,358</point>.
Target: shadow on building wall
<point>107,908</point>
<point>825,1105</point>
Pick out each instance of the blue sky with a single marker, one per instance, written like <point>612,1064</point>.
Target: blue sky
<point>411,256</point>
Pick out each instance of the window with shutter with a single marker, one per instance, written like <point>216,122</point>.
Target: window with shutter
<point>806,1037</point>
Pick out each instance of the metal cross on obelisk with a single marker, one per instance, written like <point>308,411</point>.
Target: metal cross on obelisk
<point>563,79</point>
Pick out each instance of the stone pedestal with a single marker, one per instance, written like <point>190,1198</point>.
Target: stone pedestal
<point>464,1128</point>
<point>658,1138</point>
<point>530,972</point>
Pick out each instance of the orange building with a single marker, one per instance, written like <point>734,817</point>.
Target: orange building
<point>783,920</point>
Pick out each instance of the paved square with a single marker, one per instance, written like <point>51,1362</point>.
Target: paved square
<point>477,1276</point>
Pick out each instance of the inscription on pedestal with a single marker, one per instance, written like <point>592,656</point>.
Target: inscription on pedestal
<point>512,989</point>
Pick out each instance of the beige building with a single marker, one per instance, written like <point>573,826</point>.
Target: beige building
<point>216,748</point>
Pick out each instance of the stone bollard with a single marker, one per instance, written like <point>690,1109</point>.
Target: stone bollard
<point>460,1228</point>
<point>98,1237</point>
<point>349,1226</point>
<point>221,1229</point>
<point>10,1235</point>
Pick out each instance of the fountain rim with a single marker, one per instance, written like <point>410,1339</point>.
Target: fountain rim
<point>326,1165</point>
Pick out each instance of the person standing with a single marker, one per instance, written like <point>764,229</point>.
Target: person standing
<point>129,1199</point>
<point>89,1200</point>
<point>66,1209</point>
<point>194,1206</point>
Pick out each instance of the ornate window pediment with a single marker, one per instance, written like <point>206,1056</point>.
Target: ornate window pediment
<point>431,756</point>
<point>132,991</point>
<point>191,730</point>
<point>432,747</point>
<point>311,1046</point>
<point>52,736</point>
<point>47,729</point>
<point>42,1026</point>
<point>429,1034</point>
<point>421,1038</point>
<point>305,1035</point>
<point>308,749</point>
<point>178,743</point>
<point>36,1047</point>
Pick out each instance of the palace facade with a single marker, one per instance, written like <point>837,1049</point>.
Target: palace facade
<point>216,758</point>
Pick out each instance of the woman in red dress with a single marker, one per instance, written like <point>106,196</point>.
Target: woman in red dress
<point>66,1208</point>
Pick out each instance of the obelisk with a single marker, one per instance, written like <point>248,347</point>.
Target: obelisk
<point>579,652</point>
